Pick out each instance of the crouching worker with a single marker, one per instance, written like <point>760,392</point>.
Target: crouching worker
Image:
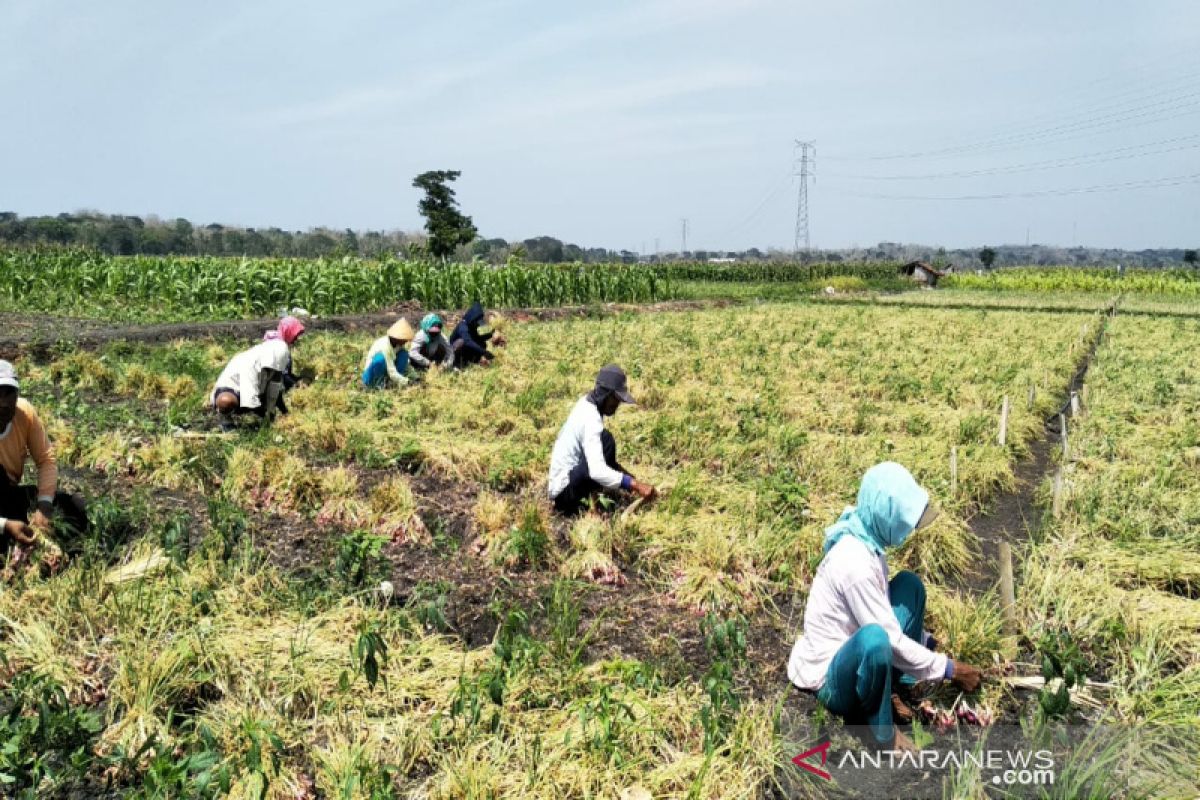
<point>23,438</point>
<point>387,360</point>
<point>429,346</point>
<point>470,346</point>
<point>863,635</point>
<point>253,383</point>
<point>584,460</point>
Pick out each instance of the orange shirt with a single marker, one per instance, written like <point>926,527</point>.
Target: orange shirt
<point>25,439</point>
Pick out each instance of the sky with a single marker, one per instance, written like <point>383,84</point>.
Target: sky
<point>607,124</point>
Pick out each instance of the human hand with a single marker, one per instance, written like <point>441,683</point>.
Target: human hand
<point>485,362</point>
<point>966,677</point>
<point>41,521</point>
<point>19,531</point>
<point>643,490</point>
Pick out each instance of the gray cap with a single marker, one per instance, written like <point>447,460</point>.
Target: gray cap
<point>612,379</point>
<point>8,375</point>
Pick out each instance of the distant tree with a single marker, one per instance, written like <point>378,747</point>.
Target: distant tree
<point>987,257</point>
<point>447,226</point>
<point>544,249</point>
<point>1189,258</point>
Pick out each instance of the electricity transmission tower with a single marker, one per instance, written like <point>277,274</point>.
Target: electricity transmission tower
<point>806,165</point>
<point>683,236</point>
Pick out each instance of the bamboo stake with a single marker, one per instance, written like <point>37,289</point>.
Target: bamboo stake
<point>1004,421</point>
<point>1032,396</point>
<point>1074,404</point>
<point>1058,486</point>
<point>1062,420</point>
<point>1008,597</point>
<point>953,471</point>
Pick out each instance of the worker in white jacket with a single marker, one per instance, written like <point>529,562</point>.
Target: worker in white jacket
<point>252,383</point>
<point>863,634</point>
<point>584,460</point>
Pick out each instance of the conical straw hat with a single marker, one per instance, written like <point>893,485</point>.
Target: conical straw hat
<point>401,330</point>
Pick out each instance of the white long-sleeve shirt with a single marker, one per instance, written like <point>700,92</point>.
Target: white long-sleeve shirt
<point>244,372</point>
<point>850,591</point>
<point>578,440</point>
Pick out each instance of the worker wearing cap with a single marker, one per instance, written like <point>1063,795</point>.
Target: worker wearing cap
<point>429,346</point>
<point>23,438</point>
<point>387,360</point>
<point>864,635</point>
<point>584,460</point>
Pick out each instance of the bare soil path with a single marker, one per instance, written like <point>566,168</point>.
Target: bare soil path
<point>37,335</point>
<point>1014,516</point>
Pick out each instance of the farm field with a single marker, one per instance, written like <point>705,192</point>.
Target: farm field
<point>1116,580</point>
<point>518,655</point>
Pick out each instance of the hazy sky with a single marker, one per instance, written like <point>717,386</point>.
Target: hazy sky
<point>606,123</point>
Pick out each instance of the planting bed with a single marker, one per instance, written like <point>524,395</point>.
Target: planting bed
<point>517,654</point>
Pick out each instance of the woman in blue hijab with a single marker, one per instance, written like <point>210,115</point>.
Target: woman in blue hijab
<point>862,632</point>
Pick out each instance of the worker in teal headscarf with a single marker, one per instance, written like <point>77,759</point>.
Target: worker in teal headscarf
<point>429,346</point>
<point>863,634</point>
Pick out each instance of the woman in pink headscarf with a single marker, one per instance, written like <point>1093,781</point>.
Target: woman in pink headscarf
<point>254,380</point>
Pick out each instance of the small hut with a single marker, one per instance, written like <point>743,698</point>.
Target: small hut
<point>923,272</point>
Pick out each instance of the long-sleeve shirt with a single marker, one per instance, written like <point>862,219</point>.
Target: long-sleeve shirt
<point>383,346</point>
<point>579,440</point>
<point>424,350</point>
<point>247,372</point>
<point>25,438</point>
<point>850,591</point>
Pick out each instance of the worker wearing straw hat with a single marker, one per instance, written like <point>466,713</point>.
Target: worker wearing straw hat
<point>22,439</point>
<point>863,634</point>
<point>387,360</point>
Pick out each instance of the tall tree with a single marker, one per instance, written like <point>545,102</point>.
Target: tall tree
<point>988,256</point>
<point>1189,258</point>
<point>447,226</point>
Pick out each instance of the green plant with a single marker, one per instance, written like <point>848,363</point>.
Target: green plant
<point>725,641</point>
<point>369,653</point>
<point>528,541</point>
<point>428,605</point>
<point>45,742</point>
<point>1064,667</point>
<point>358,558</point>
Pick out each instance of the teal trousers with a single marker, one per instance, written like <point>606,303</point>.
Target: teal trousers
<point>858,685</point>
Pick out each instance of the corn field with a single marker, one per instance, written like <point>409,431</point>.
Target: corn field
<point>81,282</point>
<point>775,272</point>
<point>1179,282</point>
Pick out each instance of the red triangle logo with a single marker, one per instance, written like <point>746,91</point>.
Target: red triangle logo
<point>823,749</point>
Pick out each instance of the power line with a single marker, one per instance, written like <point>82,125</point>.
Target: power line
<point>1139,91</point>
<point>772,193</point>
<point>1149,183</point>
<point>1065,131</point>
<point>1085,159</point>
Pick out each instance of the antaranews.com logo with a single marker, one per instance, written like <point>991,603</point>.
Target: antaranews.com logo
<point>1000,767</point>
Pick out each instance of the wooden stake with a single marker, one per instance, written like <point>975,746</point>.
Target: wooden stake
<point>1074,404</point>
<point>953,471</point>
<point>1004,421</point>
<point>1032,396</point>
<point>1056,507</point>
<point>1062,420</point>
<point>1008,597</point>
